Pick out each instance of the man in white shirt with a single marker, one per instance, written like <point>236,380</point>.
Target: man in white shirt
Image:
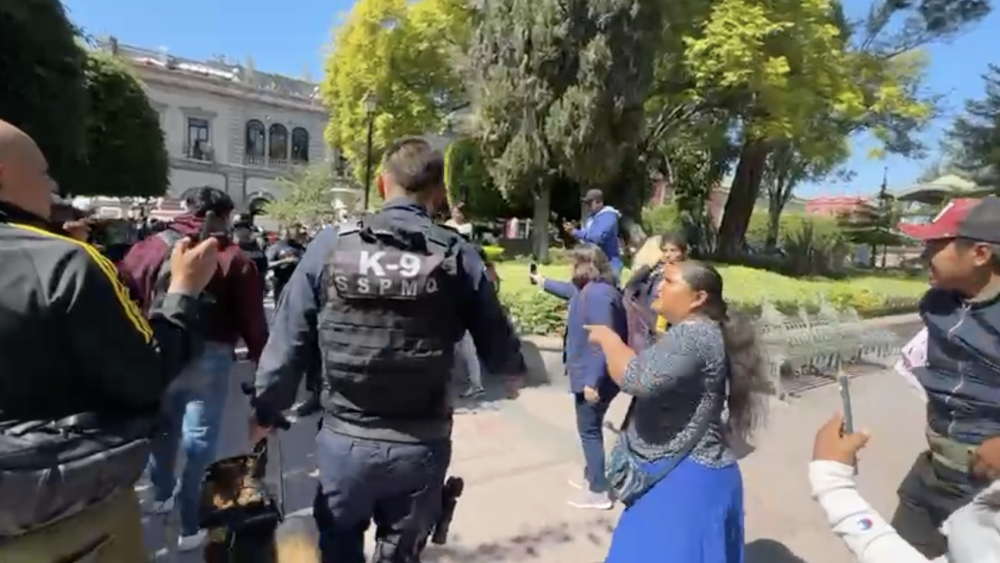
<point>973,531</point>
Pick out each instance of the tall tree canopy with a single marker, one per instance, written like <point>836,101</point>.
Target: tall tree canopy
<point>41,91</point>
<point>125,153</point>
<point>975,136</point>
<point>403,54</point>
<point>789,73</point>
<point>559,89</point>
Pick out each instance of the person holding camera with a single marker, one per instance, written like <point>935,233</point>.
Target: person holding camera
<point>232,310</point>
<point>382,302</point>
<point>972,531</point>
<point>76,423</point>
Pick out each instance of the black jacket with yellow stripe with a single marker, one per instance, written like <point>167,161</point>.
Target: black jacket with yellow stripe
<point>71,339</point>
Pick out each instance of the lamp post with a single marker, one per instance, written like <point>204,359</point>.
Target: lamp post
<point>370,102</point>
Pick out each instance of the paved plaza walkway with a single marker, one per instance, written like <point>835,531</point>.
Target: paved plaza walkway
<point>516,458</point>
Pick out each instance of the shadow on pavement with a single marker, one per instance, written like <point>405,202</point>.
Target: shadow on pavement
<point>524,547</point>
<point>770,551</point>
<point>494,387</point>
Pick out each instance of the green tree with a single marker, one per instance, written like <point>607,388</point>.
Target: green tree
<point>975,136</point>
<point>874,225</point>
<point>793,162</point>
<point>402,54</point>
<point>559,91</point>
<point>125,153</point>
<point>41,91</point>
<point>781,64</point>
<point>469,182</point>
<point>307,197</point>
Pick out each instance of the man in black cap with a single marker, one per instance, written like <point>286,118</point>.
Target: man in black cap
<point>600,228</point>
<point>962,373</point>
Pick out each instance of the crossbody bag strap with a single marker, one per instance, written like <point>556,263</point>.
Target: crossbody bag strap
<point>684,452</point>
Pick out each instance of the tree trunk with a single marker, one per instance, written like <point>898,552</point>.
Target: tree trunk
<point>773,224</point>
<point>540,222</point>
<point>742,196</point>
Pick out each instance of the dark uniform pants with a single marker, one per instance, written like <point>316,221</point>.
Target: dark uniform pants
<point>397,485</point>
<point>928,495</point>
<point>107,532</point>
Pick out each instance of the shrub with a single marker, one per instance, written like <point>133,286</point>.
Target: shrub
<point>747,289</point>
<point>661,219</point>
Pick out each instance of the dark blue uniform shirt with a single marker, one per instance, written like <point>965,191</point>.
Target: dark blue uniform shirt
<point>293,346</point>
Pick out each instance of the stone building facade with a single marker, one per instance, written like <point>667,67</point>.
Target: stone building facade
<point>229,126</point>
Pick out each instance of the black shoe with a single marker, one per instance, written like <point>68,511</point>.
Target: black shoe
<point>310,407</point>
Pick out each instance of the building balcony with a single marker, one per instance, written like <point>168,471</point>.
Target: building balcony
<point>255,160</point>
<point>199,152</point>
<point>269,162</point>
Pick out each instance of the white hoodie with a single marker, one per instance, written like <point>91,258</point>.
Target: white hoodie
<point>973,531</point>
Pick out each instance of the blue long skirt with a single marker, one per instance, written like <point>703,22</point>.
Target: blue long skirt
<point>694,515</point>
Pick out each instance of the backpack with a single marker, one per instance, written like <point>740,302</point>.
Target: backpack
<point>640,317</point>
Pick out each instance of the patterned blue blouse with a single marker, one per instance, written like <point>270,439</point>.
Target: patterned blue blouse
<point>676,382</point>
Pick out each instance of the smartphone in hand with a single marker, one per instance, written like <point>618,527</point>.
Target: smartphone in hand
<point>215,227</point>
<point>844,383</point>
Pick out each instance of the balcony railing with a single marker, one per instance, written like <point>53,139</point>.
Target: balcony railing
<point>199,152</point>
<point>255,160</point>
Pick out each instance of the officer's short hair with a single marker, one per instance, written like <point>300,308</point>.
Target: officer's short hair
<point>202,200</point>
<point>414,165</point>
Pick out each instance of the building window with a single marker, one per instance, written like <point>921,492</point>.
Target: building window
<point>278,150</point>
<point>300,145</point>
<point>255,142</point>
<point>198,139</point>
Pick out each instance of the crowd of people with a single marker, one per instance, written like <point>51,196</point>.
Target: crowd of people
<point>374,314</point>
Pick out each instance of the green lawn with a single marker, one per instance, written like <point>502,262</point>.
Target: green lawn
<point>534,312</point>
<point>750,286</point>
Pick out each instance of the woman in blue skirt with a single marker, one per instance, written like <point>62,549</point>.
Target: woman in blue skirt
<point>694,391</point>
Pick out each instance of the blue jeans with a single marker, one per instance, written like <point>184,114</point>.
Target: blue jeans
<point>191,414</point>
<point>589,423</point>
<point>466,355</point>
<point>398,485</point>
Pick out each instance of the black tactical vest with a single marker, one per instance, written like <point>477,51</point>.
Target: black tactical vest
<point>388,330</point>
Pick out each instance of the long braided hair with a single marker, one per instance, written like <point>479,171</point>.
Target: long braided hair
<point>748,376</point>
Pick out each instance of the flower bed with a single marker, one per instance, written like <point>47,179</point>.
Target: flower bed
<point>535,312</point>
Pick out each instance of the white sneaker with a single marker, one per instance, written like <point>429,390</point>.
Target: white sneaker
<point>160,508</point>
<point>192,542</point>
<point>591,501</point>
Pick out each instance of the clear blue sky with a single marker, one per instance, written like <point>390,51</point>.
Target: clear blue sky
<point>289,37</point>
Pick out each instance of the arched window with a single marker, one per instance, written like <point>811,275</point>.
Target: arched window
<point>279,141</point>
<point>255,141</point>
<point>300,145</point>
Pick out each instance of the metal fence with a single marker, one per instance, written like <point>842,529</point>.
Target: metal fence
<point>807,350</point>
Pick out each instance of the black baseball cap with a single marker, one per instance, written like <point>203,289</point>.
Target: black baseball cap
<point>593,195</point>
<point>972,219</point>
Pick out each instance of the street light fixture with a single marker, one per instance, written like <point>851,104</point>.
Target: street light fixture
<point>371,104</point>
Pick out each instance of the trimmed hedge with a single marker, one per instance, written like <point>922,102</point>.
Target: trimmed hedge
<point>535,312</point>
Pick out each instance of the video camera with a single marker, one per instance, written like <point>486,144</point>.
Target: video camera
<point>238,509</point>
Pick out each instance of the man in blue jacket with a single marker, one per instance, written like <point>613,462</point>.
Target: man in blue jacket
<point>600,228</point>
<point>962,374</point>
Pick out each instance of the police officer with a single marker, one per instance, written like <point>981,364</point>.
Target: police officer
<point>81,377</point>
<point>383,303</point>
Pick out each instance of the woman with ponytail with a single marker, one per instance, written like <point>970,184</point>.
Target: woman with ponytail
<point>674,465</point>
